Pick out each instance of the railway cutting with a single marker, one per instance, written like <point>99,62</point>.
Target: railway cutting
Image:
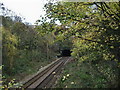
<point>47,77</point>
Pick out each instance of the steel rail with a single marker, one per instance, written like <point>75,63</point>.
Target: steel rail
<point>46,77</point>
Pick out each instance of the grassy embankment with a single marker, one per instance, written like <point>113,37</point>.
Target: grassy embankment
<point>85,75</point>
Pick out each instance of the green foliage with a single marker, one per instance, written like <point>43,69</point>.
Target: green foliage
<point>45,28</point>
<point>89,24</point>
<point>94,29</point>
<point>9,49</point>
<point>91,29</point>
<point>7,21</point>
<point>85,75</point>
<point>25,50</point>
<point>11,84</point>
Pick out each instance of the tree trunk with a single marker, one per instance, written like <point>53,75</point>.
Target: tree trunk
<point>47,51</point>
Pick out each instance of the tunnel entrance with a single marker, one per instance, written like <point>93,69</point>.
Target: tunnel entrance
<point>66,52</point>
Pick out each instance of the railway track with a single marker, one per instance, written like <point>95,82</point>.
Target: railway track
<point>47,77</point>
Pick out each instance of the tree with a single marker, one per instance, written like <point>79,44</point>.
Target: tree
<point>94,29</point>
<point>87,22</point>
<point>9,50</point>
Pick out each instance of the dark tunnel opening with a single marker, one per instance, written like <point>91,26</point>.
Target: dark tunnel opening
<point>66,53</point>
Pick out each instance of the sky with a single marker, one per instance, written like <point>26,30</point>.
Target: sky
<point>29,9</point>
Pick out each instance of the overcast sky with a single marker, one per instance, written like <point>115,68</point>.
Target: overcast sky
<point>30,9</point>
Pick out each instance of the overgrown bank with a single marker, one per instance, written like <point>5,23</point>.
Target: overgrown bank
<point>95,35</point>
<point>25,50</point>
<point>91,29</point>
<point>87,75</point>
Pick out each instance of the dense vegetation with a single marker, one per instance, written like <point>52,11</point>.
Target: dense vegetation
<point>24,49</point>
<point>95,33</point>
<point>90,29</point>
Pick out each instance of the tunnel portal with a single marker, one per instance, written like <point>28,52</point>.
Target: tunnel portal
<point>66,52</point>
